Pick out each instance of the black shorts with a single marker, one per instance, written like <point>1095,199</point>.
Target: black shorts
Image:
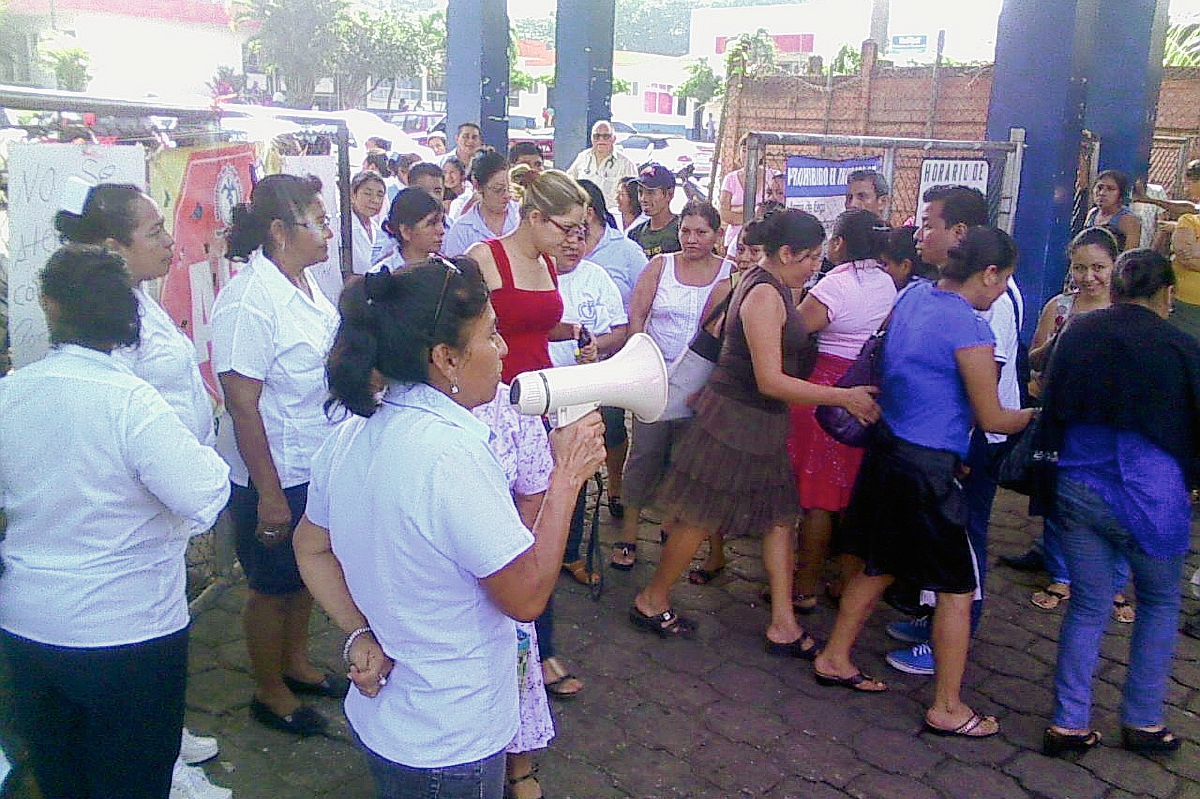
<point>614,426</point>
<point>269,570</point>
<point>908,517</point>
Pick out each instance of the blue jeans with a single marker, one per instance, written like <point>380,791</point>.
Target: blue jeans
<point>483,779</point>
<point>1093,542</point>
<point>1056,564</point>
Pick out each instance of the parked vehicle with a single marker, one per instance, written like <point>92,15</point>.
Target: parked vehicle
<point>673,152</point>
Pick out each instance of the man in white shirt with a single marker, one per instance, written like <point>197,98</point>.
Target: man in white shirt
<point>467,142</point>
<point>601,164</point>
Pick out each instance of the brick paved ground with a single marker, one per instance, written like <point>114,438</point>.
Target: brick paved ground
<point>717,717</point>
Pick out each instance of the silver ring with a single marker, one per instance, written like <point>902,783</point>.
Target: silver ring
<point>382,680</point>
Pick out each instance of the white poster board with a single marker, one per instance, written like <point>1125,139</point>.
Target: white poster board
<point>36,175</point>
<point>329,274</point>
<point>972,173</point>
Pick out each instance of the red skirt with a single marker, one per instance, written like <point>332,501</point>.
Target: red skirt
<point>825,469</point>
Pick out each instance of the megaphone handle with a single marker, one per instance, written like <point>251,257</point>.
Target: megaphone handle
<point>571,413</point>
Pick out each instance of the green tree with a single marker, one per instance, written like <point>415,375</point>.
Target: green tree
<point>70,67</point>
<point>703,86</point>
<point>297,39</point>
<point>375,48</point>
<point>1182,46</point>
<point>848,61</point>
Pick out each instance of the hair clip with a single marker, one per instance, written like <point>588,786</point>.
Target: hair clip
<point>376,284</point>
<point>74,195</point>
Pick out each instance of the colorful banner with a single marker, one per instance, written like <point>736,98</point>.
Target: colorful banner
<point>197,188</point>
<point>818,185</point>
<point>36,176</point>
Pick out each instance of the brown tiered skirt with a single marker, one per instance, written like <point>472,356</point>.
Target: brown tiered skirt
<point>731,472</point>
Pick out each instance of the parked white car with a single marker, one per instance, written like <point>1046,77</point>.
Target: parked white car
<point>673,152</point>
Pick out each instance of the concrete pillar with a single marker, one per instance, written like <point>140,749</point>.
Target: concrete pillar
<point>477,68</point>
<point>583,50</point>
<point>1062,66</point>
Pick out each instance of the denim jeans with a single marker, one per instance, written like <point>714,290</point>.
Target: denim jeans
<point>1056,564</point>
<point>1093,541</point>
<point>483,779</point>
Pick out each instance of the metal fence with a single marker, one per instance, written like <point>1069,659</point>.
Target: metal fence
<point>902,159</point>
<point>1169,156</point>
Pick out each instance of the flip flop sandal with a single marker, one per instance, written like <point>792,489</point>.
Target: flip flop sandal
<point>557,687</point>
<point>511,793</point>
<point>794,649</point>
<point>1123,611</point>
<point>667,624</point>
<point>1051,596</point>
<point>975,727</point>
<point>578,570</point>
<point>627,550</point>
<point>854,682</point>
<point>704,576</point>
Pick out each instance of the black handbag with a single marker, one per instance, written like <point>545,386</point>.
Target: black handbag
<point>1024,468</point>
<point>841,425</point>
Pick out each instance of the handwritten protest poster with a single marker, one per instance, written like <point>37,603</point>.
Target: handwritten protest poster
<point>36,176</point>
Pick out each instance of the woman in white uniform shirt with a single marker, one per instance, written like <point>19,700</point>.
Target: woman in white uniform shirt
<point>93,609</point>
<point>392,543</point>
<point>271,330</point>
<point>367,195</point>
<point>123,219</point>
<point>415,227</point>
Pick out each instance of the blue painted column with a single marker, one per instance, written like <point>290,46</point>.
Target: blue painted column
<point>583,73</point>
<point>477,68</point>
<point>1063,66</point>
<point>1123,82</point>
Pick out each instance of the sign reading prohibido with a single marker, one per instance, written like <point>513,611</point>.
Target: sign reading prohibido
<point>818,185</point>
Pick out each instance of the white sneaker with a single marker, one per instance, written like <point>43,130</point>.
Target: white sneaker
<point>194,749</point>
<point>190,782</point>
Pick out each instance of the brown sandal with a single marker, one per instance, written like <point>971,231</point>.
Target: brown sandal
<point>511,792</point>
<point>1051,596</point>
<point>578,570</point>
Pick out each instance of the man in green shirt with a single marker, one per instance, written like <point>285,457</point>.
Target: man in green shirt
<point>660,233</point>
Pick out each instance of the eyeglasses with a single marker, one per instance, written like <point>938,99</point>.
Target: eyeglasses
<point>451,269</point>
<point>602,135</point>
<point>321,225</point>
<point>569,230</point>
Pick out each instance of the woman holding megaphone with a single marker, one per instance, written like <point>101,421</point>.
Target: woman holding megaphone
<point>411,540</point>
<point>731,470</point>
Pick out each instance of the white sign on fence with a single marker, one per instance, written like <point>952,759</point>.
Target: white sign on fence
<point>36,175</point>
<point>972,173</point>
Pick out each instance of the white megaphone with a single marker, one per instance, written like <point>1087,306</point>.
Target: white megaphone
<point>635,379</point>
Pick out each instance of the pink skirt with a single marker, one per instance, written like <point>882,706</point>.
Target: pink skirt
<point>825,469</point>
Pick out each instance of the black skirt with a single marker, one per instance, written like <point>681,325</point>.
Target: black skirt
<point>908,517</point>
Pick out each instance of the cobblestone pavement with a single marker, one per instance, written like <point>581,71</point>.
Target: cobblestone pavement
<point>717,717</point>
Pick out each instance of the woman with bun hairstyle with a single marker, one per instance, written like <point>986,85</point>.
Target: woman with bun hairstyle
<point>416,227</point>
<point>1122,414</point>
<point>123,219</point>
<point>272,328</point>
<point>101,483</point>
<point>907,516</point>
<point>412,542</point>
<point>492,212</point>
<point>730,471</point>
<point>844,309</point>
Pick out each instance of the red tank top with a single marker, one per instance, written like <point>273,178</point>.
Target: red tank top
<point>524,318</point>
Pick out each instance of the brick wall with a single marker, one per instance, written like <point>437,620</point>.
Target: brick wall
<point>900,101</point>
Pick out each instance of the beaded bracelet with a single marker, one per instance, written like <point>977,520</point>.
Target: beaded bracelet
<point>350,639</point>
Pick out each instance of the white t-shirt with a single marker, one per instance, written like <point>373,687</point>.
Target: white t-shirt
<point>167,360</point>
<point>100,481</point>
<point>265,328</point>
<point>419,511</point>
<point>858,297</point>
<point>590,298</point>
<point>1002,318</point>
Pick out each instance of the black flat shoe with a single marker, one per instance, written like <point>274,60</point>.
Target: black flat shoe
<point>1055,743</point>
<point>1159,742</point>
<point>1031,561</point>
<point>794,649</point>
<point>331,685</point>
<point>303,721</point>
<point>667,624</point>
